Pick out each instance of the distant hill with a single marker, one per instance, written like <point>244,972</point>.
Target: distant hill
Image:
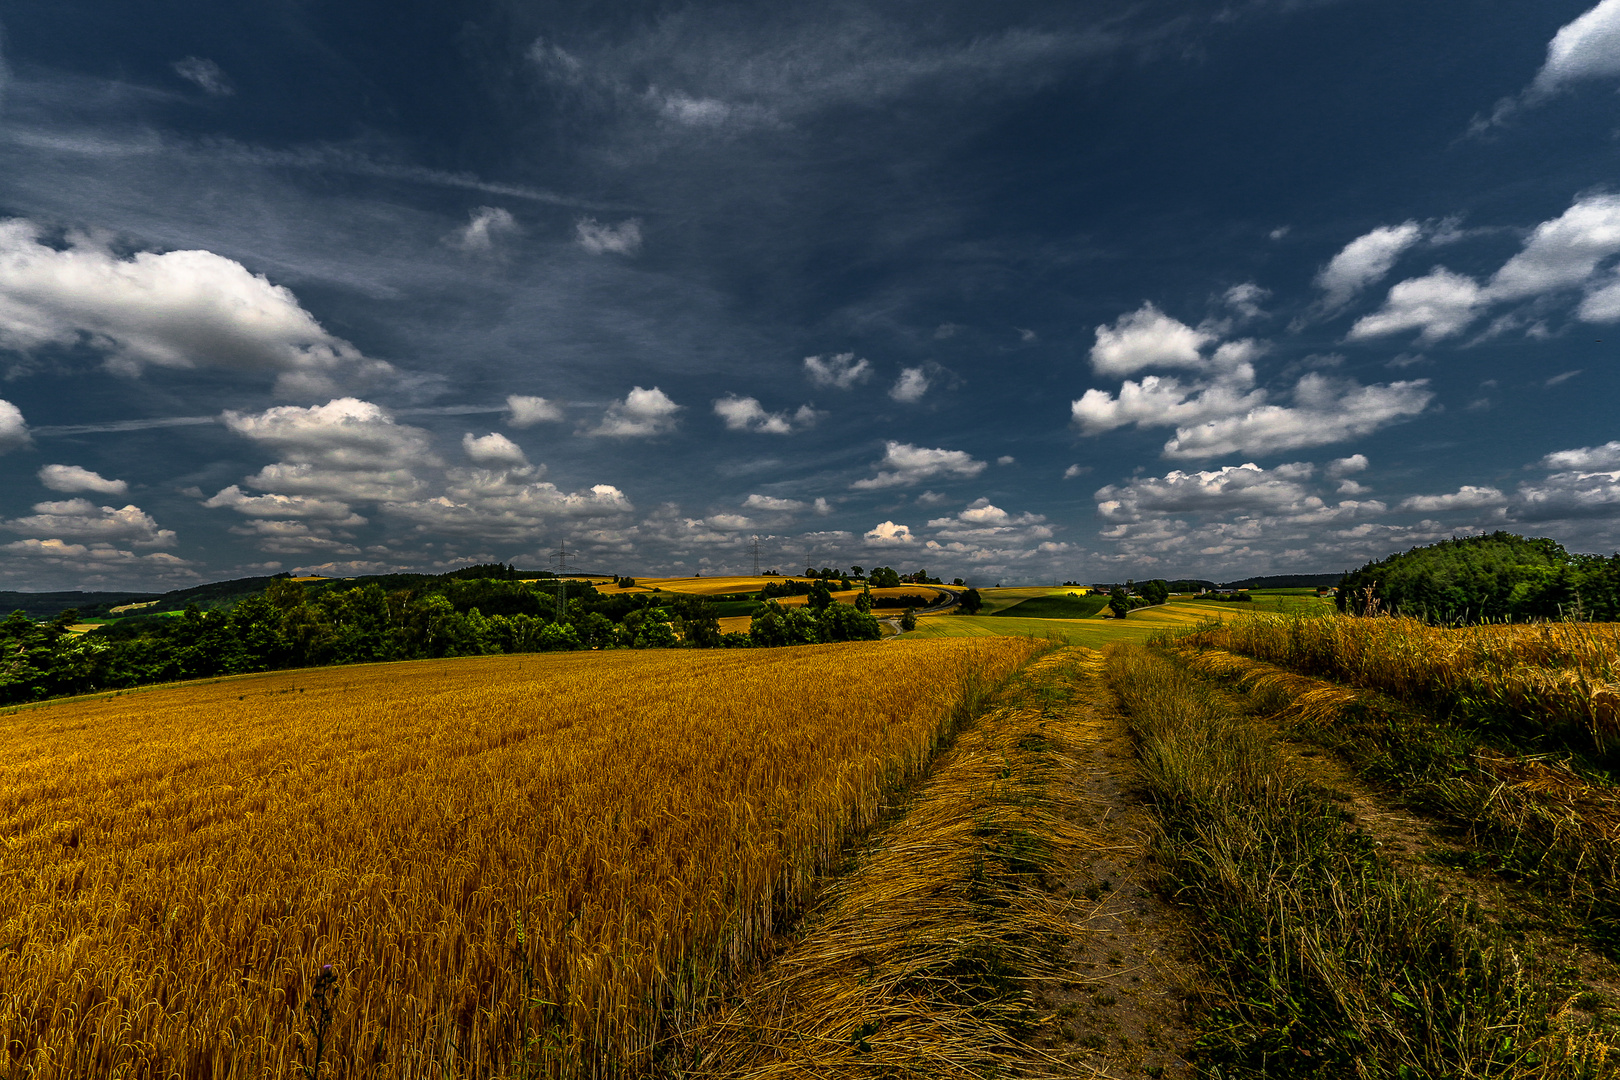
<point>1287,581</point>
<point>48,605</point>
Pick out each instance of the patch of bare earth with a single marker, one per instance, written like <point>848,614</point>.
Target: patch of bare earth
<point>1123,1009</point>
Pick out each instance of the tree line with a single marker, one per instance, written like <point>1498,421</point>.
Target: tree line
<point>292,624</point>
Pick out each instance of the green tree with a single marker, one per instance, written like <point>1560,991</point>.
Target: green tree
<point>908,619</point>
<point>971,602</point>
<point>1118,602</point>
<point>863,602</point>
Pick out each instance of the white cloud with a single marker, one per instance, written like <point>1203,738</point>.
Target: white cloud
<point>904,464</point>
<point>1158,401</point>
<point>1588,47</point>
<point>641,413</point>
<point>485,226</point>
<point>747,414</point>
<point>1466,497</point>
<point>1324,411</point>
<point>507,505</point>
<point>1147,338</point>
<point>344,433</point>
<point>493,449</point>
<point>1562,253</point>
<point>1585,458</point>
<point>332,511</point>
<point>1246,486</point>
<point>522,411</point>
<point>1602,304</point>
<point>1076,471</point>
<point>730,522</point>
<point>1363,261</point>
<point>96,562</point>
<point>888,534</point>
<point>13,429</point>
<point>292,538</point>
<point>1346,465</point>
<point>822,506</point>
<point>1006,459</point>
<point>206,74</point>
<point>181,309</point>
<point>1567,495</point>
<point>1245,299</point>
<point>599,239</point>
<point>1440,304</point>
<point>80,519</point>
<point>910,386</point>
<point>841,371</point>
<point>71,478</point>
<point>772,505</point>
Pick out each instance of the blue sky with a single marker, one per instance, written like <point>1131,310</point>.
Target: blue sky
<point>1018,292</point>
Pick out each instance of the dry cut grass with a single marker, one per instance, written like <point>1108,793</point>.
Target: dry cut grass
<point>1561,680</point>
<point>514,865</point>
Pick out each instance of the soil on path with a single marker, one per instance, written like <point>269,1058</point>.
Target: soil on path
<point>1125,1008</point>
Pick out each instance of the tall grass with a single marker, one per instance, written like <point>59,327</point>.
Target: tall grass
<point>512,865</point>
<point>1327,961</point>
<point>1550,683</point>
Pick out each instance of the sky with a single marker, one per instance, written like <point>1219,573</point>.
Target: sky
<point>1025,292</point>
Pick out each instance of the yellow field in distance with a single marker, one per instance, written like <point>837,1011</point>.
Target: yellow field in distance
<point>557,852</point>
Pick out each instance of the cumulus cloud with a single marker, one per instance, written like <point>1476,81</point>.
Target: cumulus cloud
<point>493,449</point>
<point>1147,338</point>
<point>641,413</point>
<point>71,478</point>
<point>888,534</point>
<point>1363,261</point>
<point>1246,486</point>
<point>81,519</point>
<point>905,464</point>
<point>910,387</point>
<point>747,414</point>
<point>840,371</point>
<point>486,225</point>
<point>981,522</point>
<point>1324,411</point>
<point>523,411</point>
<point>773,505</point>
<point>93,562</point>
<point>1585,458</point>
<point>13,429</point>
<point>206,74</point>
<point>1562,254</point>
<point>1466,497</point>
<point>180,309</point>
<point>292,538</point>
<point>1074,472</point>
<point>1440,305</point>
<point>1346,466</point>
<point>332,511</point>
<point>346,449</point>
<point>507,505</point>
<point>601,239</point>
<point>1586,48</point>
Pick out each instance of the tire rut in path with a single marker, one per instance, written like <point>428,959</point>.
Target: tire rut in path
<point>1124,1009</point>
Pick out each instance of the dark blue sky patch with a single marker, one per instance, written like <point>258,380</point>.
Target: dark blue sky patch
<point>1022,293</point>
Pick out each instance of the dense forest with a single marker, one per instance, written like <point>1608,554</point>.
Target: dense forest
<point>281,623</point>
<point>1499,577</point>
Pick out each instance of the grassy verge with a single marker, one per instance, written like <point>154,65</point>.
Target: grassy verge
<point>1530,819</point>
<point>1325,960</point>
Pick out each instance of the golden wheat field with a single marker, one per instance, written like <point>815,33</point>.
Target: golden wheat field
<point>1550,675</point>
<point>515,865</point>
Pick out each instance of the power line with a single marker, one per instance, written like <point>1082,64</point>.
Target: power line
<point>559,559</point>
